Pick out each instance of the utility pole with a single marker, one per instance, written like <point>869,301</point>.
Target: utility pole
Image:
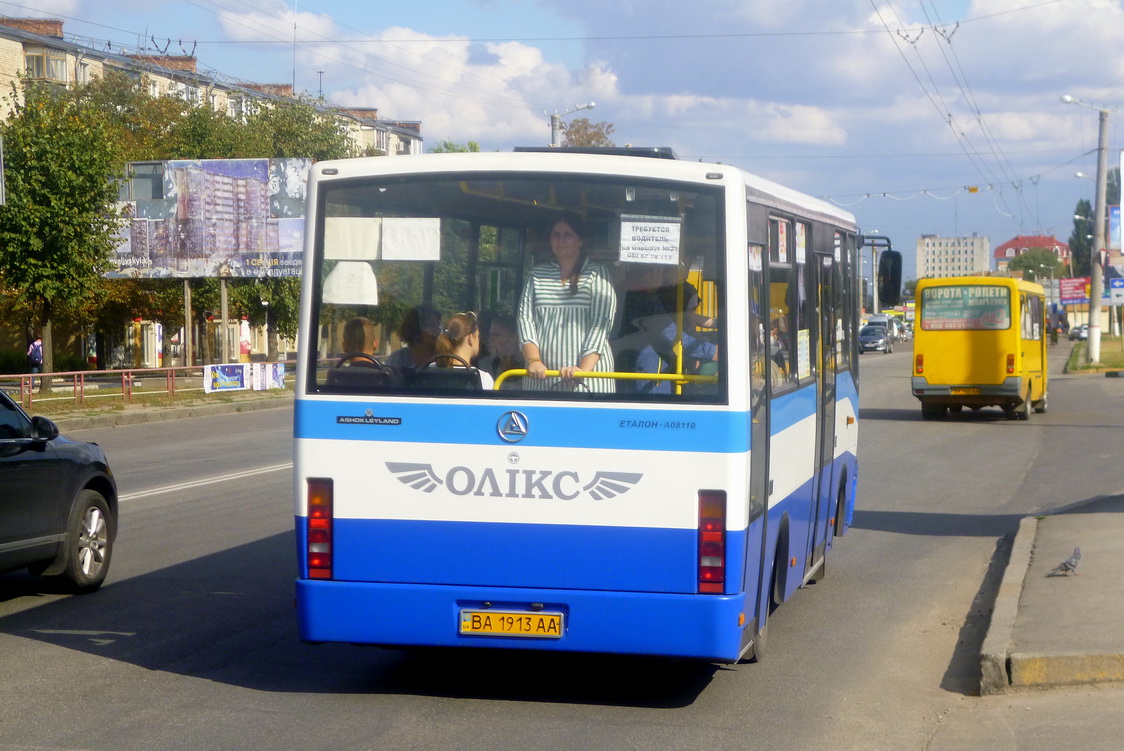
<point>1096,270</point>
<point>556,121</point>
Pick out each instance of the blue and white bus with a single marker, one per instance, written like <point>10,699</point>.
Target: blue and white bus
<point>546,514</point>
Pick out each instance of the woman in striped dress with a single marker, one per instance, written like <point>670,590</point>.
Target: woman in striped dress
<point>565,314</point>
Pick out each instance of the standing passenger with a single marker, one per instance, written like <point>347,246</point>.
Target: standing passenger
<point>565,314</point>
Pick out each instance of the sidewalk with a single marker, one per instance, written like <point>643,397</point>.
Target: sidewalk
<point>1060,630</point>
<point>139,413</point>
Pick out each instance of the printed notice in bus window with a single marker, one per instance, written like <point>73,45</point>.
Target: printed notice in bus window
<point>965,307</point>
<point>649,239</point>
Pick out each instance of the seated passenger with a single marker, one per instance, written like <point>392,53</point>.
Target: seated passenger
<point>359,338</point>
<point>460,336</point>
<point>419,330</point>
<point>503,347</point>
<point>648,333</point>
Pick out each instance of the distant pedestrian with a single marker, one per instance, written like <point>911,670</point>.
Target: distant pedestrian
<point>35,357</point>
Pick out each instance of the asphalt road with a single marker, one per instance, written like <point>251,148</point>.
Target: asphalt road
<point>192,642</point>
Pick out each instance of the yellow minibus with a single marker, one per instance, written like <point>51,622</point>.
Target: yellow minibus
<point>980,341</point>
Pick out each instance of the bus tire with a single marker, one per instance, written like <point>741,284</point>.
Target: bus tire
<point>760,642</point>
<point>932,411</point>
<point>841,509</point>
<point>778,582</point>
<point>1023,411</point>
<point>1040,405</point>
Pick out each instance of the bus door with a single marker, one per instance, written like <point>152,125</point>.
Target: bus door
<point>823,480</point>
<point>756,582</point>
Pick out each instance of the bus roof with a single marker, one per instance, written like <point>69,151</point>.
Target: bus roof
<point>997,281</point>
<point>591,161</point>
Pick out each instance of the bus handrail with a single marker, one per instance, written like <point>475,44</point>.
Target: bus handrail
<point>680,378</point>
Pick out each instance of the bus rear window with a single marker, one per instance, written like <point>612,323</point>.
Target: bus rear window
<point>518,275</point>
<point>965,307</point>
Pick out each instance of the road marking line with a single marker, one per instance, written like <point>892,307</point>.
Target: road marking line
<point>204,481</point>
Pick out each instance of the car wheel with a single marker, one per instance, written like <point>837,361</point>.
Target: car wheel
<point>89,543</point>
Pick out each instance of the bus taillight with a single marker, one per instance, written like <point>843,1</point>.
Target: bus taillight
<point>919,364</point>
<point>712,541</point>
<point>319,550</point>
<point>1010,364</point>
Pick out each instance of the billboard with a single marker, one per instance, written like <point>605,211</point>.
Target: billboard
<point>231,218</point>
<point>1074,290</point>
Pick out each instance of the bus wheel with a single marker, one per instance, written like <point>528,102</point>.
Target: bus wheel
<point>757,651</point>
<point>1023,412</point>
<point>1040,405</point>
<point>932,411</point>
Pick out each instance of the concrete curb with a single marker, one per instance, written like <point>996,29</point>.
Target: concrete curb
<point>994,675</point>
<point>144,415</point>
<point>1061,669</point>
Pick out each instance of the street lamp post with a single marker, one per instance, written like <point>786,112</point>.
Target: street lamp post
<point>556,121</point>
<point>1050,285</point>
<point>1096,280</point>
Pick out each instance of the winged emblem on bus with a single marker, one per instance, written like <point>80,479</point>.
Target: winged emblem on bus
<point>611,484</point>
<point>417,476</point>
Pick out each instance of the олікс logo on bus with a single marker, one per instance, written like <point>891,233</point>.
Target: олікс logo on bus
<point>543,484</point>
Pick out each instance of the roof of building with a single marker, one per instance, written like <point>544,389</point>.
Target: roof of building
<point>1026,242</point>
<point>49,31</point>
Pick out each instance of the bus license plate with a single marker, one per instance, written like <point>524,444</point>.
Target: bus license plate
<point>966,391</point>
<point>511,623</point>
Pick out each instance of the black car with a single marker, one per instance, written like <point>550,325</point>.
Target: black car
<point>58,502</point>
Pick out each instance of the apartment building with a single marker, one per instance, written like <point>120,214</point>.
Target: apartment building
<point>953,256</point>
<point>37,48</point>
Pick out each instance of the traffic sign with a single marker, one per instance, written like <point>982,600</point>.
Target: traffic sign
<point>1116,291</point>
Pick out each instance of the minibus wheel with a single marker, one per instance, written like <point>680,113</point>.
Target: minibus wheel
<point>1023,412</point>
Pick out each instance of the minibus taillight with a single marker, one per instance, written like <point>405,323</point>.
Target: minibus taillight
<point>712,541</point>
<point>1010,364</point>
<point>319,545</point>
<point>919,364</point>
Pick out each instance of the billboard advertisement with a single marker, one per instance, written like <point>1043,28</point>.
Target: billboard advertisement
<point>231,218</point>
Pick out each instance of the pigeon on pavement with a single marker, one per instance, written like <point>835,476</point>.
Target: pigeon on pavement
<point>1068,565</point>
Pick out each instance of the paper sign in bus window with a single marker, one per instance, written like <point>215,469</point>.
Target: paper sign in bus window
<point>650,239</point>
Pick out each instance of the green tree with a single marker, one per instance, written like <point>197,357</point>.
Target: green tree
<point>581,132</point>
<point>1037,264</point>
<point>1080,241</point>
<point>201,133</point>
<point>60,221</point>
<point>299,128</point>
<point>449,146</point>
<point>139,124</point>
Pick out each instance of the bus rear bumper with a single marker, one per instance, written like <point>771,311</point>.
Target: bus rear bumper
<point>1010,392</point>
<point>699,626</point>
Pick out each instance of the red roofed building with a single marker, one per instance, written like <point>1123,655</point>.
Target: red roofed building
<point>1016,247</point>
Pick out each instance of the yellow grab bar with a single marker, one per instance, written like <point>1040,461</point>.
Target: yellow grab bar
<point>677,377</point>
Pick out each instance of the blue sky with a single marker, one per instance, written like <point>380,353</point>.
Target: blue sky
<point>890,108</point>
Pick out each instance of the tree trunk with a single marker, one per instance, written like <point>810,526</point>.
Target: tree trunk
<point>272,350</point>
<point>48,365</point>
